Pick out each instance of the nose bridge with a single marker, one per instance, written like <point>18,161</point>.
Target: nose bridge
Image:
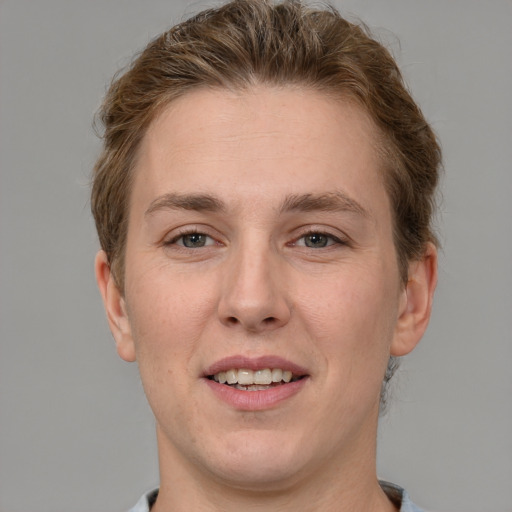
<point>253,295</point>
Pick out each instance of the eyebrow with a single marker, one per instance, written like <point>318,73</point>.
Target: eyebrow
<point>328,202</point>
<point>197,202</point>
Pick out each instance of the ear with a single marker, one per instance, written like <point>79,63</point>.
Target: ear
<point>115,308</point>
<point>416,303</point>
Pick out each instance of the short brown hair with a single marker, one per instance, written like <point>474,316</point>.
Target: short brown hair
<point>248,42</point>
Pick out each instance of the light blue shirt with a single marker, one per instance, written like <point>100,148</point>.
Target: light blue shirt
<point>396,494</point>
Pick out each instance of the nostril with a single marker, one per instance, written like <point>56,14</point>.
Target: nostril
<point>232,320</point>
<point>269,320</point>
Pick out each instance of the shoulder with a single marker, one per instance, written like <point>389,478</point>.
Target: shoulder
<point>399,497</point>
<point>146,502</point>
<point>395,493</point>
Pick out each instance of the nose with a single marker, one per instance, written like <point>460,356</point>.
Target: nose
<point>253,292</point>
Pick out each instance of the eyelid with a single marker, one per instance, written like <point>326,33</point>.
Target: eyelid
<point>338,238</point>
<point>331,241</point>
<point>209,241</point>
<point>178,233</point>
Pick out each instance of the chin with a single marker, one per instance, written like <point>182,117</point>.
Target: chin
<point>259,461</point>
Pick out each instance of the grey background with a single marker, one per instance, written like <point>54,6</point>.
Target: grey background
<point>75,432</point>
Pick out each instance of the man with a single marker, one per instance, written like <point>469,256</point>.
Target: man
<point>263,202</point>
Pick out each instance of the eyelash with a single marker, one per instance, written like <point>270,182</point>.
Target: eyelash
<point>182,234</point>
<point>332,240</point>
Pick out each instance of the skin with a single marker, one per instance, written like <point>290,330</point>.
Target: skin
<point>262,284</point>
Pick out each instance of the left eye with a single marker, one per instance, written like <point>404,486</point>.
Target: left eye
<point>193,240</point>
<point>316,240</point>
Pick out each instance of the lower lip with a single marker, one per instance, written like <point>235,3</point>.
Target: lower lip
<point>256,400</point>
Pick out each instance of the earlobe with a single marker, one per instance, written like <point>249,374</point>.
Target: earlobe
<point>115,308</point>
<point>416,303</point>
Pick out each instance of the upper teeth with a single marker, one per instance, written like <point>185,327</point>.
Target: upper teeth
<point>247,377</point>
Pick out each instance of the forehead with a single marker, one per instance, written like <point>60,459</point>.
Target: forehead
<point>294,139</point>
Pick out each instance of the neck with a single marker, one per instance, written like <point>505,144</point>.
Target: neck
<point>331,487</point>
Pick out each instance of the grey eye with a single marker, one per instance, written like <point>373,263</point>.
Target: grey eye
<point>194,240</point>
<point>316,240</point>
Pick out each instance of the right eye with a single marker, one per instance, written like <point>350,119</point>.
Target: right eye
<point>192,240</point>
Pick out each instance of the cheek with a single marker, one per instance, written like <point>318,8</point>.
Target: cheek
<point>168,318</point>
<point>352,314</point>
<point>168,313</point>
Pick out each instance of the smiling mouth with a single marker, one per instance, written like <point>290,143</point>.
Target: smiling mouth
<point>255,380</point>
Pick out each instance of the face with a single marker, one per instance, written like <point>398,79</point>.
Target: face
<point>262,293</point>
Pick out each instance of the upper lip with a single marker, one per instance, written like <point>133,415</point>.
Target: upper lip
<point>254,363</point>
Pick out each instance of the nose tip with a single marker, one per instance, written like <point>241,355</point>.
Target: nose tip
<point>253,296</point>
